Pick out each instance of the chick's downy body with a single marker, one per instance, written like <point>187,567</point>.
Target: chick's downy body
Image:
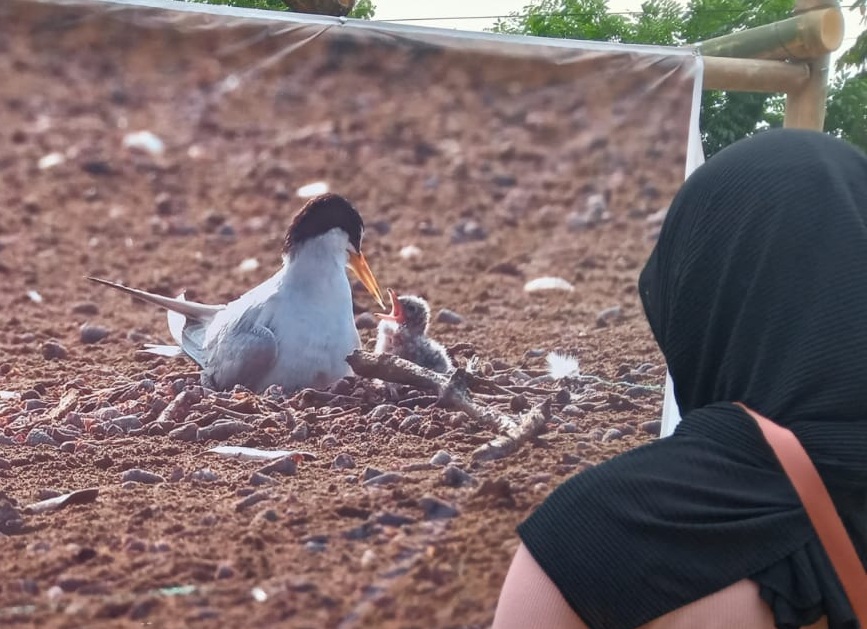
<point>403,332</point>
<point>296,328</point>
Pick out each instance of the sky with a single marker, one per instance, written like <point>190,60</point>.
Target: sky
<point>438,9</point>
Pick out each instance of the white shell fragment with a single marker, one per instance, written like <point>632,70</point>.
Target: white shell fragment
<point>248,265</point>
<point>35,297</point>
<point>547,283</point>
<point>51,160</point>
<point>409,252</point>
<point>144,141</point>
<point>312,189</point>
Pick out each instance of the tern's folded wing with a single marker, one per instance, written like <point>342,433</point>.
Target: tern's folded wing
<point>244,354</point>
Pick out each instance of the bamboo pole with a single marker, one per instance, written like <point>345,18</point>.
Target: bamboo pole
<point>805,107</point>
<point>805,36</point>
<point>754,75</point>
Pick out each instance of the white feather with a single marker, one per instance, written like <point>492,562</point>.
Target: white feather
<point>562,365</point>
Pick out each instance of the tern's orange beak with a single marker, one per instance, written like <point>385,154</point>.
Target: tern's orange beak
<point>396,313</point>
<point>359,266</point>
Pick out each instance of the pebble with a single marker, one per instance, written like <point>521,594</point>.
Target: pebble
<point>90,334</point>
<point>393,519</point>
<point>30,394</point>
<point>518,403</point>
<point>34,405</point>
<point>205,475</point>
<point>52,350</point>
<point>387,478</point>
<point>568,428</point>
<point>409,252</point>
<point>366,321</point>
<point>652,427</point>
<point>301,432</point>
<point>127,423</point>
<point>136,475</point>
<point>284,467</point>
<point>224,571</point>
<point>454,476</point>
<point>164,204</point>
<point>107,414</point>
<point>441,458</point>
<point>46,494</point>
<point>257,479</point>
<point>248,265</point>
<point>51,160</point>
<point>468,231</point>
<point>5,464</point>
<point>368,559</point>
<point>87,308</point>
<point>612,434</point>
<point>343,461</point>
<point>383,411</point>
<point>608,316</point>
<point>410,422</point>
<point>436,509</point>
<point>312,189</point>
<point>449,317</point>
<point>315,546</point>
<point>37,437</point>
<point>223,429</point>
<point>370,472</point>
<point>185,432</point>
<point>252,499</point>
<point>145,141</point>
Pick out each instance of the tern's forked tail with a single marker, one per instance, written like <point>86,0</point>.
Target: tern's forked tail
<point>190,309</point>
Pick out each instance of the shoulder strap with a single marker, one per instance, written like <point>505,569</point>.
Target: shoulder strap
<point>819,507</point>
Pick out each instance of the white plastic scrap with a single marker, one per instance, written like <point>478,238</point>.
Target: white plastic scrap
<point>250,454</point>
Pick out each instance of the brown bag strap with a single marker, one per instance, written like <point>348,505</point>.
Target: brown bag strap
<point>819,507</point>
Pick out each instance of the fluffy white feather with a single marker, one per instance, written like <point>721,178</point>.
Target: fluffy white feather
<point>562,365</point>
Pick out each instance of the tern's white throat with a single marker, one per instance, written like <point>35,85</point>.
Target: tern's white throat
<point>318,267</point>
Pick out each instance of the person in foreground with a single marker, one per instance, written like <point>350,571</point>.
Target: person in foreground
<point>756,292</point>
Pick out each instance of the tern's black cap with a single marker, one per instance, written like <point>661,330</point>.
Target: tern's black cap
<point>320,215</point>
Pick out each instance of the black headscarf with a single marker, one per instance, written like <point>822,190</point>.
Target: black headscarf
<point>757,290</point>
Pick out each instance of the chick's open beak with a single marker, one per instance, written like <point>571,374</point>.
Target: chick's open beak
<point>396,313</point>
<point>359,266</point>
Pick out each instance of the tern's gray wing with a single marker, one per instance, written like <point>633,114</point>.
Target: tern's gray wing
<point>245,353</point>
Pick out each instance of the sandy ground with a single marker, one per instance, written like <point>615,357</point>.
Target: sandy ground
<point>490,166</point>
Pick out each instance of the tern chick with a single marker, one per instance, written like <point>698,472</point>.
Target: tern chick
<point>296,328</point>
<point>402,332</point>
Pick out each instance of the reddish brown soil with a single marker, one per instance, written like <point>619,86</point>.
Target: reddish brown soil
<point>421,139</point>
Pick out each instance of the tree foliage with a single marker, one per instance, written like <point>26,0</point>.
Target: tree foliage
<point>725,116</point>
<point>363,9</point>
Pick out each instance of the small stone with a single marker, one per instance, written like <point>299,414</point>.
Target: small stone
<point>52,350</point>
<point>87,308</point>
<point>315,546</point>
<point>34,405</point>
<point>370,472</point>
<point>224,571</point>
<point>652,427</point>
<point>383,411</point>
<point>37,437</point>
<point>368,559</point>
<point>612,434</point>
<point>366,321</point>
<point>388,478</point>
<point>468,231</point>
<point>343,461</point>
<point>301,432</point>
<point>206,475</point>
<point>410,422</point>
<point>283,467</point>
<point>163,203</point>
<point>454,476</point>
<point>436,509</point>
<point>223,429</point>
<point>393,520</point>
<point>252,499</point>
<point>519,403</point>
<point>608,316</point>
<point>449,317</point>
<point>136,475</point>
<point>127,423</point>
<point>441,458</point>
<point>568,428</point>
<point>257,479</point>
<point>90,334</point>
<point>186,432</point>
<point>31,394</point>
